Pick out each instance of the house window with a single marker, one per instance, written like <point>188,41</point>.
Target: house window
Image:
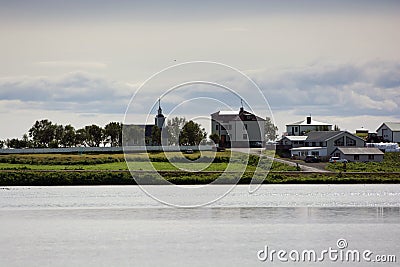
<point>315,153</point>
<point>350,142</point>
<point>244,136</point>
<point>295,129</point>
<point>314,144</point>
<point>321,143</point>
<point>356,157</point>
<point>371,157</point>
<point>216,127</point>
<point>337,154</point>
<point>339,142</point>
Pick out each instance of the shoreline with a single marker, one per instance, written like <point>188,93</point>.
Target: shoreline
<point>124,177</point>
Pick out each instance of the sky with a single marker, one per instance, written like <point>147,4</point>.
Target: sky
<point>83,62</point>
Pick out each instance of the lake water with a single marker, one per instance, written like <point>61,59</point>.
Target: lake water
<point>122,226</point>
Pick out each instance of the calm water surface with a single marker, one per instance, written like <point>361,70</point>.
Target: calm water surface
<point>122,226</point>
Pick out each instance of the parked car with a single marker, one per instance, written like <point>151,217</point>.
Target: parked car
<point>337,159</point>
<point>311,159</point>
<point>189,151</point>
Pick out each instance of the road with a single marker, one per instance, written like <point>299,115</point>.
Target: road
<point>258,152</point>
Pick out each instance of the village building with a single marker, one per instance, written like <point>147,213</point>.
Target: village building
<point>359,154</point>
<point>238,128</point>
<point>389,132</point>
<point>323,143</point>
<point>307,125</point>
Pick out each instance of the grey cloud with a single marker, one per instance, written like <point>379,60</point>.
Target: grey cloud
<point>80,92</point>
<point>346,90</point>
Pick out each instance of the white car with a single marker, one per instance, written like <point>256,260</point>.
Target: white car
<point>337,159</point>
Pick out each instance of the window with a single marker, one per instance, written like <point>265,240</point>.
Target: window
<point>321,143</point>
<point>356,157</point>
<point>244,136</point>
<point>315,153</point>
<point>314,144</point>
<point>371,157</point>
<point>339,142</point>
<point>350,142</point>
<point>216,127</point>
<point>296,130</point>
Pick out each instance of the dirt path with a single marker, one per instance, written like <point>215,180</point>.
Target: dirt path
<point>303,167</point>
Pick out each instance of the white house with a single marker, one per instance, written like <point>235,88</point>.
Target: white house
<point>238,128</point>
<point>390,131</point>
<point>323,143</point>
<point>293,140</point>
<point>359,154</point>
<point>307,125</point>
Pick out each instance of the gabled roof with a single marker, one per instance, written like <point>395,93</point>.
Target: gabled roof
<point>393,126</point>
<point>232,115</point>
<point>322,136</point>
<point>296,137</point>
<point>312,123</point>
<point>318,136</point>
<point>359,151</point>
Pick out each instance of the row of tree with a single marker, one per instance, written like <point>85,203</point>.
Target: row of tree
<point>45,134</point>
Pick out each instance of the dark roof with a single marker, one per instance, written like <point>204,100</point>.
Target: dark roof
<point>226,116</point>
<point>359,151</point>
<point>322,136</point>
<point>318,136</point>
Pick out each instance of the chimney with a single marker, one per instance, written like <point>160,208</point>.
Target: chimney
<point>309,120</point>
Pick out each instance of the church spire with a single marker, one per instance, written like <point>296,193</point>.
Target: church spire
<point>159,119</point>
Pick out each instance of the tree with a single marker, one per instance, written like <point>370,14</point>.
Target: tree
<point>174,127</point>
<point>81,137</point>
<point>68,138</point>
<point>322,128</point>
<point>336,128</point>
<point>42,133</point>
<point>215,138</point>
<point>94,135</point>
<point>271,131</point>
<point>192,134</point>
<point>1,144</point>
<point>113,133</point>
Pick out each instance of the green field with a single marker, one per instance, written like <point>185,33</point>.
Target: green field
<point>391,163</point>
<point>104,169</point>
<point>137,161</point>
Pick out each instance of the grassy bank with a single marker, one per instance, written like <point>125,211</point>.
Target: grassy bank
<point>391,163</point>
<point>111,169</point>
<point>52,178</point>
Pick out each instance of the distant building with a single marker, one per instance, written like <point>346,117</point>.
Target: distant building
<point>359,154</point>
<point>293,140</point>
<point>323,143</point>
<point>307,125</point>
<point>238,128</point>
<point>389,132</point>
<point>159,121</point>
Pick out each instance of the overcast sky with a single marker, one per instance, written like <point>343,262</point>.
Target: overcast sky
<point>80,61</point>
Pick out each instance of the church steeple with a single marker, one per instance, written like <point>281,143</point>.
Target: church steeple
<point>160,119</point>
